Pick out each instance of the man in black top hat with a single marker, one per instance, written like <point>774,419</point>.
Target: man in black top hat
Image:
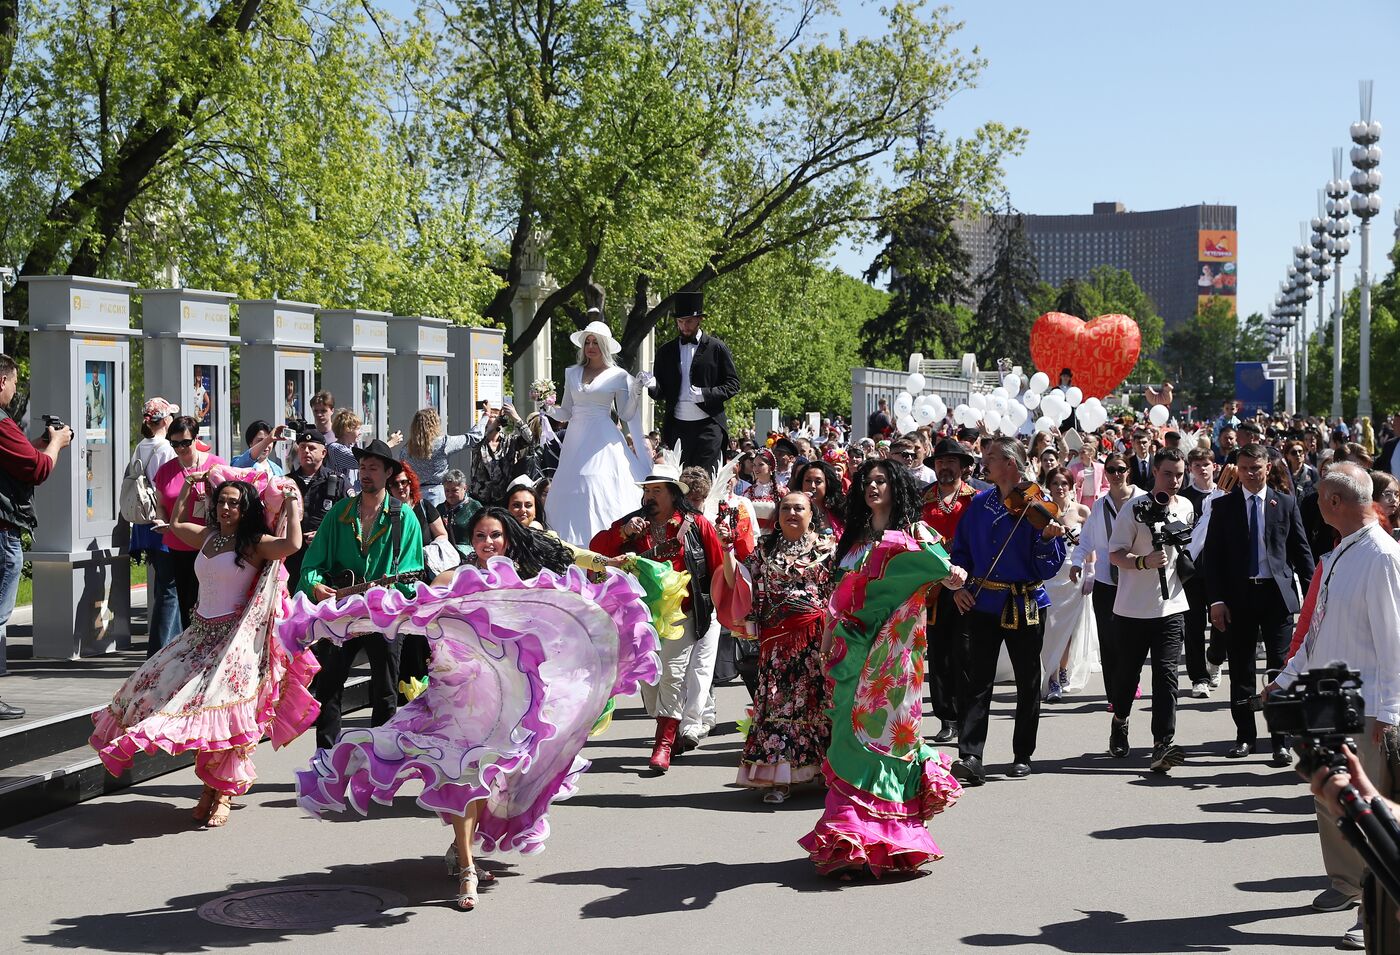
<point>695,375</point>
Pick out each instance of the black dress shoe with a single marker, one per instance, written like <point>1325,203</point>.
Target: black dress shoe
<point>8,712</point>
<point>1240,750</point>
<point>685,744</point>
<point>968,771</point>
<point>947,733</point>
<point>1019,769</point>
<point>1283,756</point>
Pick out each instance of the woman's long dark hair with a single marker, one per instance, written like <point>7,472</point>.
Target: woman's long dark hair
<point>251,523</point>
<point>539,505</point>
<point>531,550</point>
<point>905,507</point>
<point>834,500</point>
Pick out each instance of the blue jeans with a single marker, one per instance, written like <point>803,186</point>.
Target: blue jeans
<point>11,566</point>
<point>162,602</point>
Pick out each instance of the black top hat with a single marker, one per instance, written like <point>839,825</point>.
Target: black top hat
<point>688,304</point>
<point>378,449</point>
<point>948,448</point>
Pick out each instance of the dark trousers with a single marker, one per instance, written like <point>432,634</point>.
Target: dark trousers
<point>329,686</point>
<point>1257,612</point>
<point>414,656</point>
<point>1162,639</point>
<point>1103,596</point>
<point>701,441</point>
<point>947,658</point>
<point>186,583</point>
<point>1023,644</point>
<point>1197,623</point>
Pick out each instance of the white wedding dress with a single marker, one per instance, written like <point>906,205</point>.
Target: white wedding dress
<point>1069,623</point>
<point>595,482</point>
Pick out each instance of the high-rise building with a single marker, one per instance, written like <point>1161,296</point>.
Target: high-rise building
<point>1179,257</point>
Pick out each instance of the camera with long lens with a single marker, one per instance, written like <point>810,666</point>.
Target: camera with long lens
<point>1323,710</point>
<point>298,425</point>
<point>1152,512</point>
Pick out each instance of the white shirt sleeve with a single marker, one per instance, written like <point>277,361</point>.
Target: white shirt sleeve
<point>1124,531</point>
<point>1382,599</point>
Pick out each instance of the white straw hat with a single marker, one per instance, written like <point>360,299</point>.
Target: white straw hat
<point>600,331</point>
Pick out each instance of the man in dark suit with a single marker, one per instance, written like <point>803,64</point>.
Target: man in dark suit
<point>1140,459</point>
<point>695,375</point>
<point>1388,460</point>
<point>1254,546</point>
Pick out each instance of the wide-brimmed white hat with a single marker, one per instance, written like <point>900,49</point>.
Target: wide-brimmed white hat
<point>600,331</point>
<point>665,474</point>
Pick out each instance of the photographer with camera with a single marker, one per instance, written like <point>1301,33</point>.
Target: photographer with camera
<point>1148,546</point>
<point>1255,544</point>
<point>23,464</point>
<point>1356,618</point>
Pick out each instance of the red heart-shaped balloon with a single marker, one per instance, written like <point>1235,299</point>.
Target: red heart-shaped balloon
<point>1101,352</point>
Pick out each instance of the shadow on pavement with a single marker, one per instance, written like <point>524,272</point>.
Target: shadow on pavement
<point>101,823</point>
<point>1209,832</point>
<point>1111,932</point>
<point>1299,805</point>
<point>653,890</point>
<point>178,927</point>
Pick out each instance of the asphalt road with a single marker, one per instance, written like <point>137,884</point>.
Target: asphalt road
<point>1089,854</point>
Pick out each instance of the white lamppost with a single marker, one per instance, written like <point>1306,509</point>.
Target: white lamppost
<point>1365,203</point>
<point>1302,270</point>
<point>1339,244</point>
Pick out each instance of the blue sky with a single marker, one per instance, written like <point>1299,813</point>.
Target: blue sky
<point>1158,105</point>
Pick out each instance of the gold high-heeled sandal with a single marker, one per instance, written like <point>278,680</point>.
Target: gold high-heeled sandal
<point>218,814</point>
<point>206,803</point>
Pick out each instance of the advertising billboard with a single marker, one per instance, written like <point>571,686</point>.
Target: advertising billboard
<point>1216,245</point>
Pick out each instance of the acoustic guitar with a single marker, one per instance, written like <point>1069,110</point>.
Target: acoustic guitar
<point>346,584</point>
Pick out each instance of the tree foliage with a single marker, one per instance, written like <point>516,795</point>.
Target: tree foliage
<point>1199,355</point>
<point>1385,341</point>
<point>1001,327</point>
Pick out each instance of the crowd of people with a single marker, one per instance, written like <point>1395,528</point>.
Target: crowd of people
<point>579,559</point>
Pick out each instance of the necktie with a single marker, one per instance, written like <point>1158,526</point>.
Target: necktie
<point>1253,535</point>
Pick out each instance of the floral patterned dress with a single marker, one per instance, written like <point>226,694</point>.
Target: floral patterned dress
<point>784,594</point>
<point>882,780</point>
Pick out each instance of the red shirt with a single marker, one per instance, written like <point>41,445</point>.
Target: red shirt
<point>613,543</point>
<point>945,519</point>
<point>18,456</point>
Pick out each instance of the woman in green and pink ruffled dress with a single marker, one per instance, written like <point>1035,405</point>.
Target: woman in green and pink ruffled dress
<point>883,781</point>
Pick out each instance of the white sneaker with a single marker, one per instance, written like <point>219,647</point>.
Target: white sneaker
<point>1212,675</point>
<point>1200,690</point>
<point>1354,938</point>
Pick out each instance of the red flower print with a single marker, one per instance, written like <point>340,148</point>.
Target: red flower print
<point>906,735</point>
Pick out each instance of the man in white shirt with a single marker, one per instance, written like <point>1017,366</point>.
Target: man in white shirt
<point>695,375</point>
<point>1149,622</point>
<point>1356,619</point>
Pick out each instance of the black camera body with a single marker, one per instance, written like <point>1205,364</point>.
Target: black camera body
<point>298,425</point>
<point>53,421</point>
<point>1321,711</point>
<point>1152,511</point>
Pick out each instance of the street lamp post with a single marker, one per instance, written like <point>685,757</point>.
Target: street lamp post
<point>1365,203</point>
<point>1339,244</point>
<point>1321,260</point>
<point>1303,270</point>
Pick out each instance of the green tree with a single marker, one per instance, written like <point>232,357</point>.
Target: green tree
<point>1385,340</point>
<point>927,268</point>
<point>1199,355</point>
<point>1001,327</point>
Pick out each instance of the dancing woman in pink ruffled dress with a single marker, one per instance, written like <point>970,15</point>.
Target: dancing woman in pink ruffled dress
<point>226,681</point>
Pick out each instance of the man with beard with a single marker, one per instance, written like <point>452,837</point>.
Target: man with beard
<point>669,529</point>
<point>944,503</point>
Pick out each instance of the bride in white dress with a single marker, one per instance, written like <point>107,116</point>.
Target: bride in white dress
<point>595,482</point>
<point>1070,651</point>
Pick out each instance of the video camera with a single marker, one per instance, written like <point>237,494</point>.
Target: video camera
<point>1152,512</point>
<point>1322,710</point>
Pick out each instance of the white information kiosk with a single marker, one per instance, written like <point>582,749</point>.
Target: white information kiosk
<point>356,364</point>
<point>418,367</point>
<point>187,357</point>
<point>277,361</point>
<point>478,358</point>
<point>80,361</point>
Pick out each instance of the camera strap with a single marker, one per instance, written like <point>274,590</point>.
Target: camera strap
<point>1319,611</point>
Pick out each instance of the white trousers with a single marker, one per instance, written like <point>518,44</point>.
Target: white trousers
<point>687,671</point>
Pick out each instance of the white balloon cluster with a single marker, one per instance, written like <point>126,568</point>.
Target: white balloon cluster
<point>912,409</point>
<point>1005,409</point>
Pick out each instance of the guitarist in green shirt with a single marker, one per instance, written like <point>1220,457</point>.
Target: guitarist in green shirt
<point>363,538</point>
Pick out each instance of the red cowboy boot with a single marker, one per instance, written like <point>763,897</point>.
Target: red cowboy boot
<point>665,739</point>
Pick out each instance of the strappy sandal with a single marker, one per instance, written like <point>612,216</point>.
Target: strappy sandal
<point>454,866</point>
<point>776,796</point>
<point>218,815</point>
<point>206,802</point>
<point>466,888</point>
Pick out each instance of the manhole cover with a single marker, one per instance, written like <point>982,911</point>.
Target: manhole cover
<point>301,907</point>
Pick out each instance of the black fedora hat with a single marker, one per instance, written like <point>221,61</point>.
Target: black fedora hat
<point>378,449</point>
<point>689,304</point>
<point>948,448</point>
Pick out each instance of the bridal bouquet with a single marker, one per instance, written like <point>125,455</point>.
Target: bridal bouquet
<point>543,393</point>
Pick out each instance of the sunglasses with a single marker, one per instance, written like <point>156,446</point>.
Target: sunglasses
<point>911,455</point>
<point>182,444</point>
<point>1116,470</point>
<point>404,482</point>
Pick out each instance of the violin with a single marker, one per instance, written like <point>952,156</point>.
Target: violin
<point>1029,500</point>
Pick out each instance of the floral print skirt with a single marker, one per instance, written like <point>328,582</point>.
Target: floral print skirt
<point>791,730</point>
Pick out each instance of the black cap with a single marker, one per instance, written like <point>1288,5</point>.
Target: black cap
<point>948,448</point>
<point>378,449</point>
<point>786,446</point>
<point>311,437</point>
